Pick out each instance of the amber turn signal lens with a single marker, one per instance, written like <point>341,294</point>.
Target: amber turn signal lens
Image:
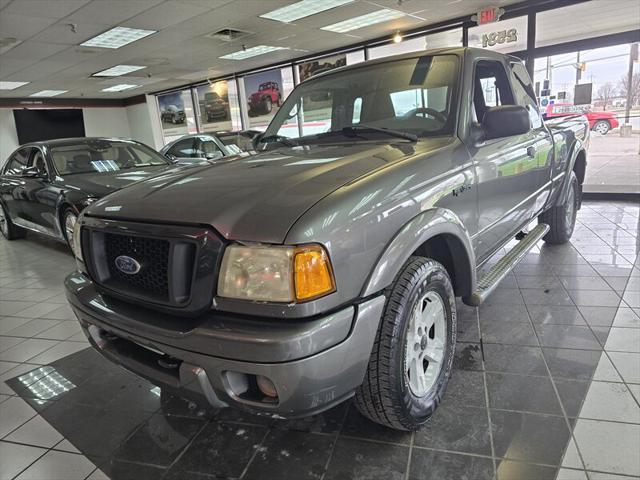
<point>313,276</point>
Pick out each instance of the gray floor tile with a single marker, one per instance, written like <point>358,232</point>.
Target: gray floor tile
<point>622,340</point>
<point>606,372</point>
<point>9,323</point>
<point>14,413</point>
<point>595,298</point>
<point>610,401</point>
<point>59,465</point>
<point>33,327</point>
<point>27,349</point>
<point>60,350</point>
<point>626,318</point>
<point>38,310</point>
<point>7,343</point>
<point>15,458</point>
<point>628,364</point>
<point>598,316</point>
<point>61,331</point>
<point>36,432</point>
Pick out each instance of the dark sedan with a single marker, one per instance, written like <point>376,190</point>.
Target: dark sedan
<point>45,185</point>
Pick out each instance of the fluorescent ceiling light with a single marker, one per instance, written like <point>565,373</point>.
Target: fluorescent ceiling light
<point>11,85</point>
<point>372,18</point>
<point>251,52</point>
<point>117,37</point>
<point>119,88</point>
<point>48,93</point>
<point>118,70</point>
<point>302,9</point>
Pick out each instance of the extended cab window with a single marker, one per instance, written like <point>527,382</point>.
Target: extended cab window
<point>18,162</point>
<point>491,87</point>
<point>183,149</point>
<point>524,93</point>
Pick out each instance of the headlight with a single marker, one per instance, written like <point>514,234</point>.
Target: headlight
<point>275,274</point>
<point>77,248</point>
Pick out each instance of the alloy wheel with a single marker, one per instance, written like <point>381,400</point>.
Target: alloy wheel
<point>425,344</point>
<point>69,224</point>
<point>4,226</point>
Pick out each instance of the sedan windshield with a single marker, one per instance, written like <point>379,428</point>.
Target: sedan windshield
<point>413,96</point>
<point>103,156</point>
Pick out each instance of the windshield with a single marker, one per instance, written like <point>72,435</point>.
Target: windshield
<point>414,96</point>
<point>103,156</point>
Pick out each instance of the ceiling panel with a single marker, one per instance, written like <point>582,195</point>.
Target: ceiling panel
<point>165,15</point>
<point>45,8</point>
<point>67,33</point>
<point>34,50</point>
<point>22,26</point>
<point>111,12</point>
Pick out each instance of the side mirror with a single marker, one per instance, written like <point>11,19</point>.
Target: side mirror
<point>505,121</point>
<point>255,141</point>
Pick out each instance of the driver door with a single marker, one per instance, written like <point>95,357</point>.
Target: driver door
<point>39,197</point>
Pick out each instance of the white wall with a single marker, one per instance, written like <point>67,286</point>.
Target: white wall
<point>8,134</point>
<point>139,122</point>
<point>106,122</point>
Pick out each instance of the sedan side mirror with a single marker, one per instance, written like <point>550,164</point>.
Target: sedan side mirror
<point>505,121</point>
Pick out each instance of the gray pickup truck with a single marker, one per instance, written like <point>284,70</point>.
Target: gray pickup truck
<point>327,263</point>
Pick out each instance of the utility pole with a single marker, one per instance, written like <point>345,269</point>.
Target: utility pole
<point>633,55</point>
<point>578,68</point>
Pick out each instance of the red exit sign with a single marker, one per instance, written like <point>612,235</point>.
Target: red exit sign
<point>488,15</point>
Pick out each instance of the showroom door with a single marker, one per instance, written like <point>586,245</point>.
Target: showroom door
<point>507,168</point>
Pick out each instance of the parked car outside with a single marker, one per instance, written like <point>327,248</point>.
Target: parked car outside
<point>45,185</point>
<point>262,101</point>
<point>215,107</point>
<point>327,265</point>
<point>600,122</point>
<point>200,148</point>
<point>173,114</point>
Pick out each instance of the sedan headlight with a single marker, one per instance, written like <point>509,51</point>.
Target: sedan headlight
<point>77,248</point>
<point>275,273</point>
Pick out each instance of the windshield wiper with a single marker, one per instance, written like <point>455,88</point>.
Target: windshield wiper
<point>388,131</point>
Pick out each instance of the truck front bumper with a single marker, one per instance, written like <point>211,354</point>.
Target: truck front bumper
<point>314,364</point>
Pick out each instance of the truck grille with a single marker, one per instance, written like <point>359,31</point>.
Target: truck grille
<point>153,256</point>
<point>170,267</point>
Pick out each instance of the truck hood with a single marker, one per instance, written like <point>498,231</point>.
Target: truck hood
<point>256,198</point>
<point>101,184</point>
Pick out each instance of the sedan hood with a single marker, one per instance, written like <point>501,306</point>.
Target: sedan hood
<point>100,184</point>
<point>255,198</point>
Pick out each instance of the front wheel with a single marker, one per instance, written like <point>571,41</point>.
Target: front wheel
<point>7,228</point>
<point>267,105</point>
<point>562,218</point>
<point>412,356</point>
<point>602,127</point>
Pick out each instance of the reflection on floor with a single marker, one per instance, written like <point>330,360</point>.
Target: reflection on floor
<point>546,386</point>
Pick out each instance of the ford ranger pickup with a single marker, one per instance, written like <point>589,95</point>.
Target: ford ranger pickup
<point>326,264</point>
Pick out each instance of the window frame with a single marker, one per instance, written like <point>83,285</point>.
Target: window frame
<point>29,156</point>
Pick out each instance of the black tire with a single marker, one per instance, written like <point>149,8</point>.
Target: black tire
<point>562,218</point>
<point>7,227</point>
<point>68,212</point>
<point>385,396</point>
<point>602,127</point>
<point>267,105</point>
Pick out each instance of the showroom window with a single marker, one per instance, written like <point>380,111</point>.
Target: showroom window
<point>449,38</point>
<point>504,36</point>
<point>18,162</point>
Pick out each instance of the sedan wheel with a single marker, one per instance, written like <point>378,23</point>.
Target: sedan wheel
<point>70,220</point>
<point>602,127</point>
<point>4,226</point>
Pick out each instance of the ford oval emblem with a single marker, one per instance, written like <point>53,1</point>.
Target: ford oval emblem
<point>127,265</point>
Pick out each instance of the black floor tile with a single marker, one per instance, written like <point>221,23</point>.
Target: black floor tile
<point>458,428</point>
<point>357,425</point>
<point>556,315</point>
<point>528,437</point>
<point>510,333</point>
<point>119,470</point>
<point>514,359</point>
<point>159,440</point>
<point>467,331</point>
<point>503,313</point>
<point>510,470</point>
<point>522,393</point>
<point>220,449</point>
<point>171,404</point>
<point>567,336</point>
<point>291,455</point>
<point>572,394</point>
<point>466,388</point>
<point>468,356</point>
<point>432,465</point>
<point>359,459</point>
<point>571,363</point>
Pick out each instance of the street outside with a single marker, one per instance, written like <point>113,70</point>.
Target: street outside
<point>613,163</point>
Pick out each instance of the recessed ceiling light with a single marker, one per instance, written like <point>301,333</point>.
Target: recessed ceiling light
<point>119,88</point>
<point>372,18</point>
<point>48,93</point>
<point>251,52</point>
<point>118,70</point>
<point>302,9</point>
<point>11,85</point>
<point>117,37</point>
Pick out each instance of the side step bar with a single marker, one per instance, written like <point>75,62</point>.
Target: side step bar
<point>501,269</point>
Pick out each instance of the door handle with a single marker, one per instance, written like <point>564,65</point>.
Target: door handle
<point>531,151</point>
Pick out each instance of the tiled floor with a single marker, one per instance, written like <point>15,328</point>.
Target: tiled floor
<point>546,386</point>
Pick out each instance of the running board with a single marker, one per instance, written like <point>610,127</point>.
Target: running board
<point>501,269</point>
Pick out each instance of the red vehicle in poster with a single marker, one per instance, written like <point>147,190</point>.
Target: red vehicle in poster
<point>600,122</point>
<point>263,100</point>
